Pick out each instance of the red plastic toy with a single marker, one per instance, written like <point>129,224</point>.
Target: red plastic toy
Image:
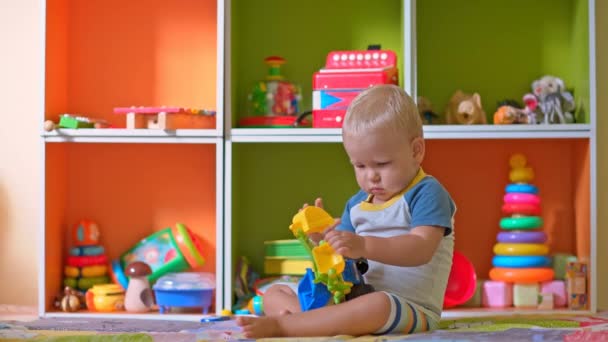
<point>461,283</point>
<point>345,75</point>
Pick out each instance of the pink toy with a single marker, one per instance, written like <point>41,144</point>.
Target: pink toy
<point>497,294</point>
<point>345,75</point>
<point>558,289</point>
<point>166,117</point>
<point>522,198</point>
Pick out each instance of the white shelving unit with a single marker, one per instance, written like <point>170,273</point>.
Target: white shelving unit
<point>226,139</point>
<point>585,133</point>
<point>138,137</point>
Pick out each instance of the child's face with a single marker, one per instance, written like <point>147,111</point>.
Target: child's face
<point>384,163</point>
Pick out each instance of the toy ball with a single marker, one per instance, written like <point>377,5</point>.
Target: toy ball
<point>462,282</point>
<point>85,233</point>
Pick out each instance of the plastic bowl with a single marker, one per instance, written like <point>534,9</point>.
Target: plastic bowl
<point>461,283</point>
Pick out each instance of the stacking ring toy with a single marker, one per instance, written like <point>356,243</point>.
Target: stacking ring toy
<point>521,222</point>
<point>521,261</point>
<point>521,208</point>
<point>522,198</point>
<point>521,275</point>
<point>520,249</point>
<point>522,237</point>
<point>521,188</point>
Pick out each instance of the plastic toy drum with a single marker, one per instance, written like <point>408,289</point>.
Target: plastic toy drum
<point>168,250</point>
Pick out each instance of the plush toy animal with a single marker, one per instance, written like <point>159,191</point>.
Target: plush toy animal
<point>465,109</point>
<point>506,115</point>
<point>425,109</point>
<point>555,103</point>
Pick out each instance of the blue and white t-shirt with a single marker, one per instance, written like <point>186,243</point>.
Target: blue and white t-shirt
<point>425,202</point>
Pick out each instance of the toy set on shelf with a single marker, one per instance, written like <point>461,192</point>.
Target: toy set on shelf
<point>167,118</point>
<point>524,275</point>
<point>285,257</point>
<point>548,103</point>
<point>150,117</point>
<point>160,259</point>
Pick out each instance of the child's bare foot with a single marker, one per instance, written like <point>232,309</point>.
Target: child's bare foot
<point>284,312</point>
<point>255,327</point>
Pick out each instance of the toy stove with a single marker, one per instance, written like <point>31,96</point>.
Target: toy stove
<point>345,75</point>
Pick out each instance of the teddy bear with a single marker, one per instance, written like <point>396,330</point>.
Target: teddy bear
<point>555,104</point>
<point>465,109</point>
<point>425,110</point>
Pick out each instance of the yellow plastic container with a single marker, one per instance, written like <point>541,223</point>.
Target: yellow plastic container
<point>105,298</point>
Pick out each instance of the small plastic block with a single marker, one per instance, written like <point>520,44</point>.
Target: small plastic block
<point>497,294</point>
<point>545,301</point>
<point>525,295</point>
<point>560,261</point>
<point>558,289</point>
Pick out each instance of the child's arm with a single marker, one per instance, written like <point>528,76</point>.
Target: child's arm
<point>413,249</point>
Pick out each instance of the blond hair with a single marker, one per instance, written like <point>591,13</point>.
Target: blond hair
<point>383,107</point>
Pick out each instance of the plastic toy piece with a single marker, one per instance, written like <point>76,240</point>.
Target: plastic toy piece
<point>139,297</point>
<point>328,278</point>
<point>311,220</point>
<point>185,289</point>
<point>521,209</point>
<point>462,281</point>
<point>521,261</point>
<point>521,188</point>
<point>521,222</point>
<point>168,250</point>
<point>521,275</point>
<point>69,121</point>
<point>326,259</point>
<point>105,298</point>
<point>521,249</point>
<point>522,237</point>
<point>85,233</point>
<point>160,117</point>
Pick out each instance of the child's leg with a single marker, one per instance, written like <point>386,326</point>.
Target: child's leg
<point>360,316</point>
<point>280,300</point>
<point>406,318</point>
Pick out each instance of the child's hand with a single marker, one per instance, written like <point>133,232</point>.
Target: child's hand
<point>345,243</point>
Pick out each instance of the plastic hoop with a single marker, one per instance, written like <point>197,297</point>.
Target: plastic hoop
<point>522,222</point>
<point>522,237</point>
<point>521,275</point>
<point>521,209</point>
<point>520,249</point>
<point>522,261</point>
<point>522,198</point>
<point>521,188</point>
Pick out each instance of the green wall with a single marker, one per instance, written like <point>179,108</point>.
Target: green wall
<point>496,48</point>
<point>499,47</point>
<point>304,32</point>
<point>272,181</point>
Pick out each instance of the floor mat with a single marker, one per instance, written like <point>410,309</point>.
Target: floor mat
<point>522,328</point>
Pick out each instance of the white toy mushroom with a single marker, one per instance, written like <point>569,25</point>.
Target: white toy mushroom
<point>139,296</point>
